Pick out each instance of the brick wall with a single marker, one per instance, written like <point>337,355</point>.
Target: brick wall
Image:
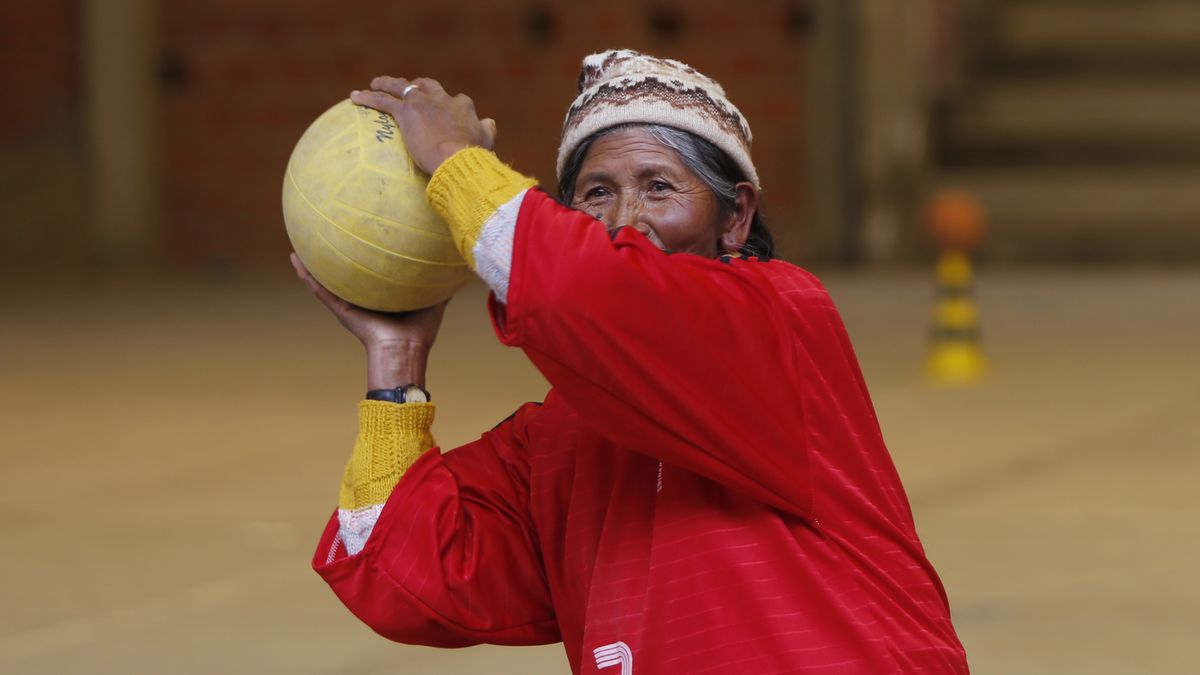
<point>37,69</point>
<point>243,80</point>
<point>41,153</point>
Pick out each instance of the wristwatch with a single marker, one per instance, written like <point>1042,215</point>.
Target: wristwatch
<point>406,393</point>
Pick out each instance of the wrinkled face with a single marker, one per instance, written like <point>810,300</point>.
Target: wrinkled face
<point>629,179</point>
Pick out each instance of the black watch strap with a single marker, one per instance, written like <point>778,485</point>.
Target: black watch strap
<point>408,393</point>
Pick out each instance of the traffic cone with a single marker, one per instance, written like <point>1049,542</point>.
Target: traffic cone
<point>955,356</point>
<point>957,222</point>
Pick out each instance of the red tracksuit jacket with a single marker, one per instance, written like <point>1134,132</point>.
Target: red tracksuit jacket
<point>704,490</point>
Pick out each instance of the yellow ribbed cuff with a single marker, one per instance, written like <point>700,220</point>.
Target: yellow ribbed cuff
<point>391,436</point>
<point>467,189</point>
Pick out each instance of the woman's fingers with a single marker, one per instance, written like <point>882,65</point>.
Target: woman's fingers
<point>309,280</point>
<point>489,127</point>
<point>398,86</point>
<point>428,85</point>
<point>391,85</point>
<point>301,270</point>
<point>323,294</point>
<point>376,99</point>
<point>434,125</point>
<point>389,93</point>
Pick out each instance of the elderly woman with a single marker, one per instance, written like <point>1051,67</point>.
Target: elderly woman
<point>705,487</point>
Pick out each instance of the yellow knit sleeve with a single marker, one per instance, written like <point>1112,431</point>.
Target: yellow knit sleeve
<point>391,436</point>
<point>467,188</point>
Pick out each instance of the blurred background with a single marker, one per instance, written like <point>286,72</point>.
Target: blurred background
<point>175,411</point>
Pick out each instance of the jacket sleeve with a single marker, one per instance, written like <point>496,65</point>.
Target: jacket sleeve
<point>453,558</point>
<point>683,358</point>
<point>677,356</point>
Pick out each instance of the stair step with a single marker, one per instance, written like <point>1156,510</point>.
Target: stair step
<point>1158,118</point>
<point>1113,30</point>
<point>1088,213</point>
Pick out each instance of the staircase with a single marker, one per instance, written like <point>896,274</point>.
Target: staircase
<point>1077,124</point>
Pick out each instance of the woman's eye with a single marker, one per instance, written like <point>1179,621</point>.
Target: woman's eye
<point>596,193</point>
<point>660,186</point>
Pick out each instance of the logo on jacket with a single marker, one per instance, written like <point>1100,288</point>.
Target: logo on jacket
<point>613,655</point>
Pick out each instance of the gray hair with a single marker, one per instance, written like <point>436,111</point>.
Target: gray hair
<point>710,164</point>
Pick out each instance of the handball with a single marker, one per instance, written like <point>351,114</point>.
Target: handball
<point>355,210</point>
<point>956,220</point>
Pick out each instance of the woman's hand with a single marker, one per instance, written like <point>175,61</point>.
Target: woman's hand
<point>433,124</point>
<point>397,344</point>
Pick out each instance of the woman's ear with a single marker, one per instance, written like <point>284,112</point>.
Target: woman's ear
<point>737,228</point>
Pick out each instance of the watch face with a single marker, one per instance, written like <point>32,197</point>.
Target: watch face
<point>415,394</point>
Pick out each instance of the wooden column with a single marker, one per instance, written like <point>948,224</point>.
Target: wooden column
<point>832,219</point>
<point>894,91</point>
<point>120,50</point>
<point>867,130</point>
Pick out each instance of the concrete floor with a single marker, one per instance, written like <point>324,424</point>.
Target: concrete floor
<point>171,451</point>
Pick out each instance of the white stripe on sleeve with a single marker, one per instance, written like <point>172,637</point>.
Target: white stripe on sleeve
<point>355,526</point>
<point>494,249</point>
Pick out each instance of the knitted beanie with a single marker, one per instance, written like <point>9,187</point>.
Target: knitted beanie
<point>626,87</point>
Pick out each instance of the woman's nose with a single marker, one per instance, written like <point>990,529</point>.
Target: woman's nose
<point>629,214</point>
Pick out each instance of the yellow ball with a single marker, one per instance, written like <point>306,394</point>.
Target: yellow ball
<point>354,205</point>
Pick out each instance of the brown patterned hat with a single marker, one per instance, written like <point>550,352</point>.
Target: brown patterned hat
<point>626,87</point>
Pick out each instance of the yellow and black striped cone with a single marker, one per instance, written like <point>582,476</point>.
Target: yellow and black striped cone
<point>955,356</point>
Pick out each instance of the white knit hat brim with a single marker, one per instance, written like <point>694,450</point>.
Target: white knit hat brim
<point>627,88</point>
